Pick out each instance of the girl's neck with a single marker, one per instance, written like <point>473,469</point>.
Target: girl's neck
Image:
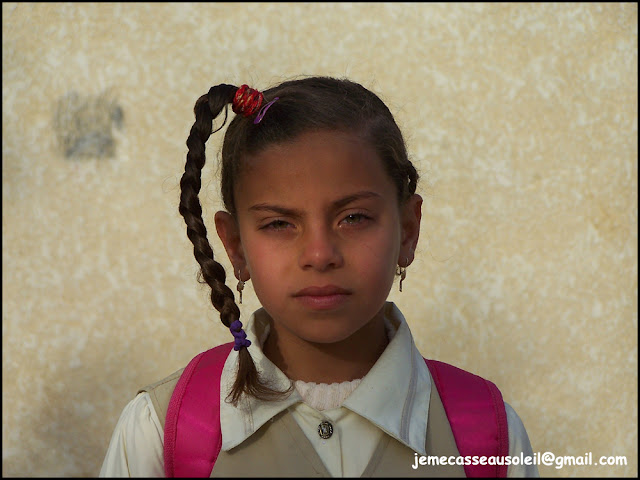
<point>338,362</point>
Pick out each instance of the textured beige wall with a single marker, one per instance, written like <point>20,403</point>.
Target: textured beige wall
<point>521,118</point>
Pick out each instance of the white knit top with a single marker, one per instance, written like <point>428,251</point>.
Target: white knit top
<point>323,396</point>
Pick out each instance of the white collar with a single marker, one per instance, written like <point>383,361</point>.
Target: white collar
<point>393,395</point>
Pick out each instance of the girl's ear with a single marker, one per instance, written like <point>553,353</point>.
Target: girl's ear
<point>229,233</point>
<point>410,217</point>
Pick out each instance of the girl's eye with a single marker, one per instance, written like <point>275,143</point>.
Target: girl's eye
<point>276,225</point>
<point>355,219</point>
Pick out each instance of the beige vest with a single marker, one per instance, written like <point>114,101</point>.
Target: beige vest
<point>281,449</point>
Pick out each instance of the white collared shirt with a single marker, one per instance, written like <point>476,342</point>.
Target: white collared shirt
<point>392,398</point>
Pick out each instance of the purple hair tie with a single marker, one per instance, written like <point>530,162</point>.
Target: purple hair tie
<point>263,111</point>
<point>239,335</point>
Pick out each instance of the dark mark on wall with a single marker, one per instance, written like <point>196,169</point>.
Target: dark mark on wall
<point>84,125</point>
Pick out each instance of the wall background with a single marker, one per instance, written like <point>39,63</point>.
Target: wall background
<point>522,119</point>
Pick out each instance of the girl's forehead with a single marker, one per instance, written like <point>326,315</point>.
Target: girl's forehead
<point>315,166</point>
<point>326,141</point>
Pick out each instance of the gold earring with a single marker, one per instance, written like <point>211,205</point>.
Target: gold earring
<point>402,272</point>
<point>240,286</point>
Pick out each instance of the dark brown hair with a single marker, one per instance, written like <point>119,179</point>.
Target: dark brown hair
<point>308,104</point>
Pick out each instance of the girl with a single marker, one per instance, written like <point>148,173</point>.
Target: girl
<point>324,379</point>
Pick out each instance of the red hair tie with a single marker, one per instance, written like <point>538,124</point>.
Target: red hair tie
<point>247,101</point>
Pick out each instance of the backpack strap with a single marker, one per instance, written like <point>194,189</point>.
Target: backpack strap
<point>192,434</point>
<point>476,412</point>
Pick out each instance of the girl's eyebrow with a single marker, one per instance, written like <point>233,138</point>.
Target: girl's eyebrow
<point>344,201</point>
<point>292,212</point>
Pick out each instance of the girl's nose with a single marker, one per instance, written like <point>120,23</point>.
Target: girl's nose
<point>320,250</point>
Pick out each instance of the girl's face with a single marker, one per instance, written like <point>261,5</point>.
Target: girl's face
<point>319,232</point>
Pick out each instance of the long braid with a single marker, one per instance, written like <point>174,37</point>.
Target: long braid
<point>206,109</point>
<point>213,273</point>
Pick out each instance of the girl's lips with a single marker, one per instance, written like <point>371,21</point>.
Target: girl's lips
<point>325,291</point>
<point>322,298</point>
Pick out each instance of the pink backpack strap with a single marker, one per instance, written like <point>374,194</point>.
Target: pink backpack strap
<point>193,438</point>
<point>192,435</point>
<point>477,415</point>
